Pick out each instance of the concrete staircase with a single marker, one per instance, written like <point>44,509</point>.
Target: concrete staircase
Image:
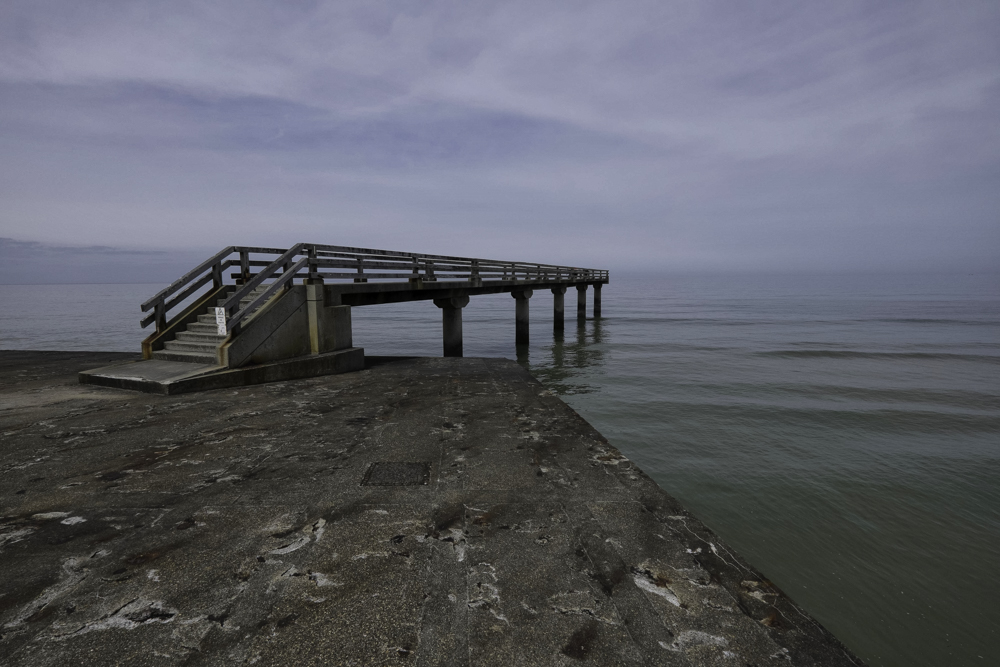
<point>199,344</point>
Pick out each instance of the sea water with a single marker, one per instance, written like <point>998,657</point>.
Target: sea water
<point>841,432</point>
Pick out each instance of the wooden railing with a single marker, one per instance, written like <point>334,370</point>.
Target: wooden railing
<point>326,262</point>
<point>210,271</point>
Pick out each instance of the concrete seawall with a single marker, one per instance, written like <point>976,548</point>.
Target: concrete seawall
<point>434,511</point>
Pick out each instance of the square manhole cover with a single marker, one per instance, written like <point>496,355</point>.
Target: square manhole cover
<point>391,473</point>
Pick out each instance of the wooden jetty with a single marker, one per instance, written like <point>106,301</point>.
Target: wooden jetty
<point>241,318</point>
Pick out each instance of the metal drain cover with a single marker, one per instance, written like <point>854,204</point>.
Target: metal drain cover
<point>391,473</point>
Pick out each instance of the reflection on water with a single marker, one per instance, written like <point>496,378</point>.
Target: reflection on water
<point>569,363</point>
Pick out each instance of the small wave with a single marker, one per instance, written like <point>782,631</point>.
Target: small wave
<point>928,320</point>
<point>855,354</point>
<point>869,397</point>
<point>748,418</point>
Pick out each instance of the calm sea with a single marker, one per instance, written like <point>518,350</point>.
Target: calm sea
<point>842,433</point>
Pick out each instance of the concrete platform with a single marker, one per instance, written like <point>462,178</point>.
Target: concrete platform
<point>418,512</point>
<point>160,376</point>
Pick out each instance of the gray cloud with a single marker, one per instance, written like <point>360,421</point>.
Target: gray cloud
<point>687,135</point>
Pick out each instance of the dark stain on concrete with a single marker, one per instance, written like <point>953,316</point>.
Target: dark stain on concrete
<point>581,641</point>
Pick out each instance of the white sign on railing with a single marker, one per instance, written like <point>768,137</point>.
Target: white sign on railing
<point>220,321</point>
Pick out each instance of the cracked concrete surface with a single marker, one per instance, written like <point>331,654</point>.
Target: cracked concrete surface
<point>231,527</point>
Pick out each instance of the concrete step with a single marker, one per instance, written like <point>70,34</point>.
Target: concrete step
<point>244,301</point>
<point>202,328</point>
<point>209,317</point>
<point>188,346</point>
<point>189,357</point>
<point>200,336</point>
<point>260,289</point>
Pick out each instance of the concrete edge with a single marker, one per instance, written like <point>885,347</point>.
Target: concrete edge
<point>329,363</point>
<point>124,362</point>
<point>97,376</point>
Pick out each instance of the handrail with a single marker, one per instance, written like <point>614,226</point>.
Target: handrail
<point>194,279</point>
<point>232,323</point>
<point>434,269</point>
<point>261,276</point>
<point>321,249</point>
<point>348,263</point>
<point>195,286</point>
<point>183,280</point>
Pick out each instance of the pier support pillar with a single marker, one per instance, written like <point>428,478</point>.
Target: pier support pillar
<point>339,319</point>
<point>558,308</point>
<point>597,301</point>
<point>329,326</point>
<point>314,306</point>
<point>451,323</point>
<point>581,303</point>
<point>521,316</point>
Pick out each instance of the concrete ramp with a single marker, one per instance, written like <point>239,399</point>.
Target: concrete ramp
<point>177,377</point>
<point>150,370</point>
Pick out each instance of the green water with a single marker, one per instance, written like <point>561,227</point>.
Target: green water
<point>843,435</point>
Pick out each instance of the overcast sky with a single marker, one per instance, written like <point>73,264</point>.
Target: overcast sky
<point>678,135</point>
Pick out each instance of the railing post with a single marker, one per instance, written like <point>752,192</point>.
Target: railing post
<point>416,269</point>
<point>313,269</point>
<point>244,266</point>
<point>521,315</point>
<point>474,272</point>
<point>415,279</point>
<point>361,271</point>
<point>217,275</point>
<point>160,316</point>
<point>581,302</point>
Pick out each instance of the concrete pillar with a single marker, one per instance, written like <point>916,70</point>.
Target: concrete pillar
<point>329,326</point>
<point>558,308</point>
<point>339,322</point>
<point>315,301</point>
<point>521,316</point>
<point>581,302</point>
<point>451,323</point>
<point>597,301</point>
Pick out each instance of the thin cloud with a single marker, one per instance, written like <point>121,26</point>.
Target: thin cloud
<point>778,135</point>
